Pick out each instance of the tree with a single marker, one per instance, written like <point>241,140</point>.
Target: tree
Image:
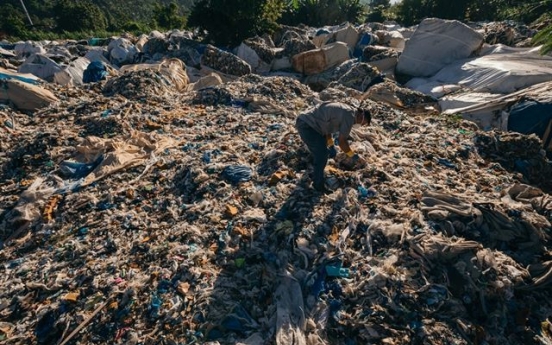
<point>168,17</point>
<point>376,14</point>
<point>228,22</point>
<point>79,16</point>
<point>446,9</point>
<point>323,12</point>
<point>413,11</point>
<point>377,3</point>
<point>12,21</point>
<point>410,12</point>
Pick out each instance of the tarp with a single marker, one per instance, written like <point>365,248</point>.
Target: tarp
<point>72,73</point>
<point>25,77</point>
<point>335,53</point>
<point>432,88</point>
<point>529,116</point>
<point>392,39</point>
<point>492,110</point>
<point>318,60</point>
<point>7,53</point>
<point>435,44</point>
<point>25,96</point>
<point>209,80</point>
<point>348,35</point>
<point>345,33</point>
<point>97,54</point>
<point>120,153</point>
<point>40,66</point>
<point>281,63</point>
<point>121,51</point>
<point>28,48</point>
<point>142,39</point>
<point>250,56</point>
<point>501,69</point>
<point>365,39</point>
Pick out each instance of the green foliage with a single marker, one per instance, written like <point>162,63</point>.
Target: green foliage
<point>135,27</point>
<point>544,38</point>
<point>79,16</point>
<point>324,12</point>
<point>377,3</point>
<point>376,15</point>
<point>228,22</point>
<point>525,11</point>
<point>12,21</point>
<point>413,11</point>
<point>168,17</point>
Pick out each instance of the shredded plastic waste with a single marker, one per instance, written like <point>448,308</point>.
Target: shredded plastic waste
<point>138,210</point>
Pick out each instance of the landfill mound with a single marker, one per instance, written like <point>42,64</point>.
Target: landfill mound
<point>165,197</point>
<point>188,218</point>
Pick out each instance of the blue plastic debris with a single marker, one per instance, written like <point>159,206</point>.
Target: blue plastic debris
<point>102,206</point>
<point>237,173</point>
<point>206,157</point>
<point>95,71</point>
<point>275,127</point>
<point>155,306</point>
<point>321,32</point>
<point>447,163</point>
<point>238,103</point>
<point>4,76</point>
<point>318,286</point>
<point>364,193</point>
<point>73,169</point>
<point>336,270</point>
<point>233,323</point>
<point>45,327</point>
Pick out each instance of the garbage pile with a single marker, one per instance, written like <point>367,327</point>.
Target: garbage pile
<point>508,33</point>
<point>144,209</point>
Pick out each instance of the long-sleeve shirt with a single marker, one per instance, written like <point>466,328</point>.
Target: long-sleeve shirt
<point>330,117</point>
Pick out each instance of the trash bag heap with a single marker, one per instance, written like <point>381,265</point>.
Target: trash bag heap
<point>168,202</point>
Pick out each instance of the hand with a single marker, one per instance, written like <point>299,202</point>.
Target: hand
<point>332,152</point>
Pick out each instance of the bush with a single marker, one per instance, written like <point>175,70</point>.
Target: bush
<point>168,17</point>
<point>228,22</point>
<point>544,37</point>
<point>12,21</point>
<point>79,16</point>
<point>135,27</point>
<point>376,15</point>
<point>323,12</point>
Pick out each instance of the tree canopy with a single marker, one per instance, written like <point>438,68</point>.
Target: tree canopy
<point>227,22</point>
<point>411,12</point>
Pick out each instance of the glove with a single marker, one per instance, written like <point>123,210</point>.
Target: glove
<point>332,152</point>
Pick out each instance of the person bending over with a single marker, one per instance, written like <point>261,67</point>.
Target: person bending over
<point>316,127</point>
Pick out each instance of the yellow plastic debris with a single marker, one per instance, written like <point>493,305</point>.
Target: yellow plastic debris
<point>71,296</point>
<point>231,211</point>
<point>277,177</point>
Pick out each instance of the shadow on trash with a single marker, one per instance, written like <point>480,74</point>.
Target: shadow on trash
<point>244,302</point>
<point>517,153</point>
